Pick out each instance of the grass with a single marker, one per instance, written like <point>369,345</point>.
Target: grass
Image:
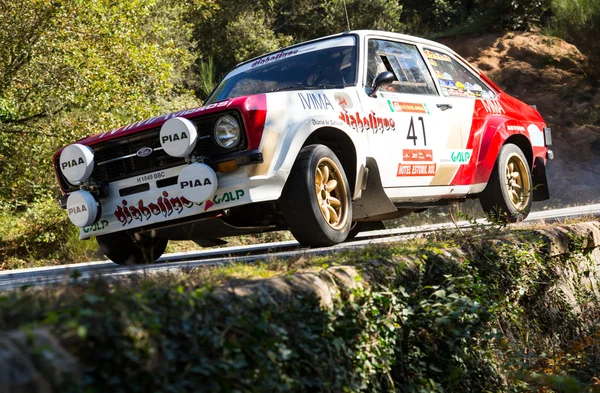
<point>455,312</point>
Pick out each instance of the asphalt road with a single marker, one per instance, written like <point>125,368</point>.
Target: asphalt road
<point>177,262</point>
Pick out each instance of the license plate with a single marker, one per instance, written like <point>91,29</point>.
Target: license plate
<point>150,177</point>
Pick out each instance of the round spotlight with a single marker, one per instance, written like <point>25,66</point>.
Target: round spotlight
<point>76,163</point>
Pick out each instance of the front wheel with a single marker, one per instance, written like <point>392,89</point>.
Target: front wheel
<point>508,194</point>
<point>316,199</point>
<point>123,249</point>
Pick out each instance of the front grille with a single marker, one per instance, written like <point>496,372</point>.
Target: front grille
<point>117,159</point>
<point>130,164</point>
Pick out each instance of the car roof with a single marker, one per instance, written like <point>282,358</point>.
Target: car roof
<point>362,34</point>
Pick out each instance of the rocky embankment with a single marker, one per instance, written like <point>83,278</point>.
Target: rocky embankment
<point>482,310</point>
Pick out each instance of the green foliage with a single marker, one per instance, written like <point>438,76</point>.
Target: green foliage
<point>40,234</point>
<point>269,25</point>
<point>207,77</point>
<point>450,320</point>
<point>451,17</point>
<point>579,22</point>
<point>68,69</point>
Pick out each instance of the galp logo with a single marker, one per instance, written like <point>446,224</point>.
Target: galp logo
<point>72,163</point>
<point>195,183</point>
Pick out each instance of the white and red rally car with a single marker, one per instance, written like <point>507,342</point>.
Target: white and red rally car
<point>357,127</point>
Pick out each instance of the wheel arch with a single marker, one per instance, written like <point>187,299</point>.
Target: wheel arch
<point>492,141</point>
<point>342,145</point>
<point>524,144</point>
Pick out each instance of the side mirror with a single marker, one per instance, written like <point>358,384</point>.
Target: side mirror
<point>382,80</point>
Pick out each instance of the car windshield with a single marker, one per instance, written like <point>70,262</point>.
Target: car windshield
<point>320,65</point>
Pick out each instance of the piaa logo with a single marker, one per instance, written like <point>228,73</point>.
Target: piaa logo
<point>195,183</point>
<point>77,210</point>
<point>174,137</point>
<point>72,163</point>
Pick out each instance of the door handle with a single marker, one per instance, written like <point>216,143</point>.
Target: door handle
<point>444,107</point>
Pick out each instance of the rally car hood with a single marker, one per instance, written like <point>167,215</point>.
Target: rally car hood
<point>252,108</point>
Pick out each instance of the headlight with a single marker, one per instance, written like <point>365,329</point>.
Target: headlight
<point>227,132</point>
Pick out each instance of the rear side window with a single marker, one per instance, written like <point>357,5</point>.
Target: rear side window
<point>405,62</point>
<point>454,79</point>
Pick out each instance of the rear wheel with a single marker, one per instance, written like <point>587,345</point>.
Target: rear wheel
<point>316,199</point>
<point>508,194</point>
<point>124,249</point>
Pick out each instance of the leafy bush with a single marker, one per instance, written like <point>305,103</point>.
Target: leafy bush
<point>41,234</point>
<point>423,320</point>
<point>578,21</point>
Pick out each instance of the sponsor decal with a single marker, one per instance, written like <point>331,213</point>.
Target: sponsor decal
<point>515,128</point>
<point>76,210</point>
<point>457,156</point>
<point>99,226</point>
<point>72,163</point>
<point>416,170</point>
<point>443,75</point>
<point>372,122</point>
<point>447,83</point>
<point>195,183</point>
<point>493,107</point>
<point>174,137</point>
<point>460,86</point>
<point>343,100</point>
<point>396,106</point>
<point>417,155</point>
<point>436,56</point>
<point>389,94</point>
<point>144,152</point>
<point>314,101</point>
<point>269,59</point>
<point>457,93</point>
<point>164,206</point>
<point>460,156</point>
<point>228,196</point>
<point>326,122</point>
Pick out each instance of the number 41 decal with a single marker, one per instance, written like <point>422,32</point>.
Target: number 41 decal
<point>411,131</point>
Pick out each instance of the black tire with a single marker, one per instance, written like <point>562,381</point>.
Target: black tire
<point>301,204</point>
<point>509,192</point>
<point>364,226</point>
<point>123,249</point>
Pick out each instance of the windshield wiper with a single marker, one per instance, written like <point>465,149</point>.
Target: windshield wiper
<point>314,87</point>
<point>293,87</point>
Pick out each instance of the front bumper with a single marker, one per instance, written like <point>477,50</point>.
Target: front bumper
<point>154,198</point>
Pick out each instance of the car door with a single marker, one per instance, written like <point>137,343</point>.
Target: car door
<point>417,121</point>
<point>462,89</point>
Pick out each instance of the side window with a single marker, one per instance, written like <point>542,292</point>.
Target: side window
<point>454,79</point>
<point>405,62</point>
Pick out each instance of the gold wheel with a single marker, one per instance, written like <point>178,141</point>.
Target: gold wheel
<point>331,193</point>
<point>518,184</point>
